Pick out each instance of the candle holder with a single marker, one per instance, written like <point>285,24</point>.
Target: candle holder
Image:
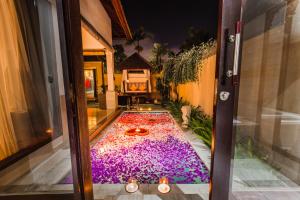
<point>132,185</point>
<point>137,131</point>
<point>164,186</point>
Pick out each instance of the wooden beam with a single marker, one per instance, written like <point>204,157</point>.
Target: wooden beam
<point>72,58</point>
<point>223,134</point>
<point>122,18</point>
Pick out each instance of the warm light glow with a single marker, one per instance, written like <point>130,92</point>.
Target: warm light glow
<point>132,185</point>
<point>163,186</point>
<point>101,150</point>
<point>49,131</point>
<point>149,109</point>
<point>137,132</point>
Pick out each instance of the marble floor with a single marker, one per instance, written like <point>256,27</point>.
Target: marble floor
<point>150,192</point>
<point>266,195</point>
<point>254,178</point>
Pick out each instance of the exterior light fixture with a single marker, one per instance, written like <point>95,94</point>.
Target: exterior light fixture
<point>132,185</point>
<point>164,186</point>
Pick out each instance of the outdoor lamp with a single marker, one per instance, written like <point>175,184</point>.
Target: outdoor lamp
<point>163,186</point>
<point>132,185</point>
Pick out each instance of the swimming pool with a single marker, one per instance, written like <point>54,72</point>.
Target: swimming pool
<point>116,157</point>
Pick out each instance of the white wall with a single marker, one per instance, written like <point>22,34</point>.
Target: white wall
<point>95,14</point>
<point>89,42</point>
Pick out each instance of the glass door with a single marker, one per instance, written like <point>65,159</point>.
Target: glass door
<point>35,154</point>
<point>266,125</point>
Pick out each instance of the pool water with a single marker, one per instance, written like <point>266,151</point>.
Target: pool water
<point>116,157</point>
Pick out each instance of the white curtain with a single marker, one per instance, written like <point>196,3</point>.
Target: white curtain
<point>12,58</point>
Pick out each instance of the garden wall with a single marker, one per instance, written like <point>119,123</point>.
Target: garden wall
<point>201,93</point>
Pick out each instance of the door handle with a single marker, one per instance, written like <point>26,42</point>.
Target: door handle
<point>236,40</point>
<point>237,52</point>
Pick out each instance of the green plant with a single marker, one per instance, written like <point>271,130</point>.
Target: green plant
<point>164,90</point>
<point>185,66</point>
<point>244,147</point>
<point>195,37</point>
<point>159,53</point>
<point>201,124</point>
<point>175,108</point>
<point>119,57</point>
<point>137,37</point>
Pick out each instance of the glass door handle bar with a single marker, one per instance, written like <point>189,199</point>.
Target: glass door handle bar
<point>237,52</point>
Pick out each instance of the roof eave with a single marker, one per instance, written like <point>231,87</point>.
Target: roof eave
<point>122,18</point>
<point>116,13</point>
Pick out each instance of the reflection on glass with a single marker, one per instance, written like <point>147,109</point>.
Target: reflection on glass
<point>89,78</point>
<point>267,145</point>
<point>34,153</point>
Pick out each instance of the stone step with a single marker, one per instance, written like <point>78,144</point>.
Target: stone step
<point>154,197</point>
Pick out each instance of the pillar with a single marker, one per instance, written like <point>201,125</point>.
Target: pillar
<point>111,95</point>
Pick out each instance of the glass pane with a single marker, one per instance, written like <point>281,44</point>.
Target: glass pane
<point>34,146</point>
<point>89,78</point>
<point>266,163</point>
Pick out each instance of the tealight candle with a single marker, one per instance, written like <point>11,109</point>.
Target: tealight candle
<point>132,185</point>
<point>163,186</point>
<point>102,150</point>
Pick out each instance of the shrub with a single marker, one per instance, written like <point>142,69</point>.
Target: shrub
<point>184,67</point>
<point>175,108</point>
<point>199,122</point>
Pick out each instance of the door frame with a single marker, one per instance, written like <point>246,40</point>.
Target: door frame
<point>69,22</point>
<point>223,132</point>
<point>71,42</point>
<point>72,57</point>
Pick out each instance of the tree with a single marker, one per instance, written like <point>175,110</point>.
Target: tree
<point>195,37</point>
<point>159,51</point>
<point>185,66</point>
<point>119,56</point>
<point>138,35</point>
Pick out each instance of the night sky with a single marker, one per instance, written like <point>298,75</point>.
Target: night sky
<point>169,20</point>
